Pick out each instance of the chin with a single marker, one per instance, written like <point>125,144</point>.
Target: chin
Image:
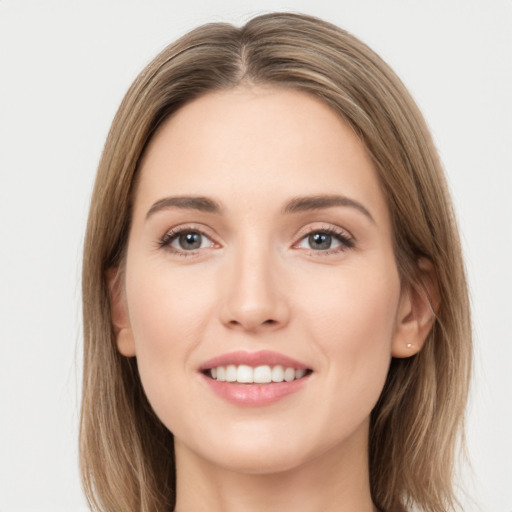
<point>255,460</point>
<point>254,448</point>
<point>250,447</point>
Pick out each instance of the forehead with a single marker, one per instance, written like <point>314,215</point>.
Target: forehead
<point>258,143</point>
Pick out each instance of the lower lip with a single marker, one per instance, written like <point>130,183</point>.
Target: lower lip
<point>254,395</point>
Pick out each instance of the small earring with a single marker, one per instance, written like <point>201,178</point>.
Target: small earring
<point>409,345</point>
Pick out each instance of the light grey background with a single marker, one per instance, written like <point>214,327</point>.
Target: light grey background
<point>64,67</point>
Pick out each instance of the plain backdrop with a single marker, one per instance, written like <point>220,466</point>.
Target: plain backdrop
<point>64,67</point>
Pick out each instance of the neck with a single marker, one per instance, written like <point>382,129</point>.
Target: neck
<point>336,481</point>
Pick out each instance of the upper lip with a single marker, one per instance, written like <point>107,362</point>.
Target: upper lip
<point>260,358</point>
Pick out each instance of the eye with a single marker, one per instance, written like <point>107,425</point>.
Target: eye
<point>186,240</point>
<point>190,241</point>
<point>326,240</point>
<point>321,241</point>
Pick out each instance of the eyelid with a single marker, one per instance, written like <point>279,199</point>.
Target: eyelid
<point>346,238</point>
<point>172,233</point>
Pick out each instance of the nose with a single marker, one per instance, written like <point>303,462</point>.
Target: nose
<point>254,298</point>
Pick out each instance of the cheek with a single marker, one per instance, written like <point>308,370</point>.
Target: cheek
<point>165,304</point>
<point>353,324</point>
<point>352,303</point>
<point>168,312</point>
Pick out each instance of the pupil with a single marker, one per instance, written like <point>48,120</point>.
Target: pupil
<point>320,241</point>
<point>190,241</point>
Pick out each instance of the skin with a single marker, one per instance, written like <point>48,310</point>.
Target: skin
<point>257,283</point>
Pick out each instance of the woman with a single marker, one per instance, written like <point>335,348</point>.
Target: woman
<point>275,307</point>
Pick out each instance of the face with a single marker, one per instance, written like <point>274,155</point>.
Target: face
<point>260,295</point>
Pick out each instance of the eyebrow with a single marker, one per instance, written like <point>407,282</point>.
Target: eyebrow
<point>295,205</point>
<point>202,204</point>
<point>320,202</point>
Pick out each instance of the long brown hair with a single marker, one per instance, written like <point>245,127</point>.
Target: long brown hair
<point>126,453</point>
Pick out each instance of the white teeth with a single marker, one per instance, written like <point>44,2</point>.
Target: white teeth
<point>244,374</point>
<point>231,373</point>
<point>299,374</point>
<point>277,374</point>
<point>289,374</point>
<point>260,375</point>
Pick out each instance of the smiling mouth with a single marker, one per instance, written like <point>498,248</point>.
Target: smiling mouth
<point>264,374</point>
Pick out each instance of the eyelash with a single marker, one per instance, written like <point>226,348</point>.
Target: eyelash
<point>173,234</point>
<point>346,241</point>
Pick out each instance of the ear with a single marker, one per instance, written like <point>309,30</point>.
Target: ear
<point>419,304</point>
<point>120,317</point>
